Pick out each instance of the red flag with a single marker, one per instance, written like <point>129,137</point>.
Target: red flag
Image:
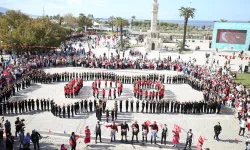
<point>177,127</point>
<point>246,58</point>
<point>233,57</point>
<point>148,122</point>
<point>241,58</point>
<point>201,139</point>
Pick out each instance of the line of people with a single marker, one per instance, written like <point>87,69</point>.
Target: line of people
<point>165,106</point>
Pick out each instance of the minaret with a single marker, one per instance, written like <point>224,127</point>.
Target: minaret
<point>154,19</point>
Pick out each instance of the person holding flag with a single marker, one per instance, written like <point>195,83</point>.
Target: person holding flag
<point>87,136</point>
<point>72,140</point>
<point>200,143</point>
<point>176,135</point>
<point>144,131</point>
<point>113,131</point>
<point>154,131</point>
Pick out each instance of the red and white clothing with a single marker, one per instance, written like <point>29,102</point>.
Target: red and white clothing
<point>87,136</point>
<point>176,137</point>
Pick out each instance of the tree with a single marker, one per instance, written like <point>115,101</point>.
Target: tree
<point>223,20</point>
<point>248,21</point>
<point>120,22</point>
<point>203,27</point>
<point>70,20</point>
<point>132,20</point>
<point>84,21</point>
<point>180,45</point>
<point>125,44</point>
<point>186,13</point>
<point>19,30</point>
<point>111,21</point>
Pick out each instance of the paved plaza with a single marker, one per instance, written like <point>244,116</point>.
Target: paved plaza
<point>56,131</point>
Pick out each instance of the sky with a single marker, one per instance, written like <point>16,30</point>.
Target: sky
<point>212,10</point>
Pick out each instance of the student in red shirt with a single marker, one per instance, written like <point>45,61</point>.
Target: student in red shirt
<point>103,93</point>
<point>109,96</point>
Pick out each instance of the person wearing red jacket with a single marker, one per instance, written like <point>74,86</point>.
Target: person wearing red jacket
<point>114,129</point>
<point>109,96</point>
<point>154,131</point>
<point>114,93</point>
<point>103,93</point>
<point>144,131</point>
<point>140,94</point>
<point>146,94</point>
<point>97,93</point>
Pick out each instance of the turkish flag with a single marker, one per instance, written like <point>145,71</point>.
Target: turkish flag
<point>177,127</point>
<point>148,122</point>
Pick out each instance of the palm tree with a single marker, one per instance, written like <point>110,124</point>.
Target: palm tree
<point>112,22</point>
<point>186,13</point>
<point>132,20</point>
<point>120,22</point>
<point>223,20</point>
<point>179,45</point>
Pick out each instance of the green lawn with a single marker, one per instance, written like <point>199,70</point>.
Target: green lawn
<point>243,78</point>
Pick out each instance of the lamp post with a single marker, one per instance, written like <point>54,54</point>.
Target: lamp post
<point>10,28</point>
<point>108,45</point>
<point>159,55</point>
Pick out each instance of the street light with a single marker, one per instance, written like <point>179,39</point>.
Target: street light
<point>108,45</point>
<point>10,28</point>
<point>159,55</point>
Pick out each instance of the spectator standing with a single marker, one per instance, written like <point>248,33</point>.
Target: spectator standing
<point>7,126</point>
<point>35,136</point>
<point>243,125</point>
<point>9,142</point>
<point>27,139</point>
<point>21,138</point>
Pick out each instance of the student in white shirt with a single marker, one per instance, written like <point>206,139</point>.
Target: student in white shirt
<point>243,125</point>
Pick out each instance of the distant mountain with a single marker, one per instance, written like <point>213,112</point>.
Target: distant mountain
<point>3,10</point>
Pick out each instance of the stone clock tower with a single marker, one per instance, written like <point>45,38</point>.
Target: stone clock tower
<point>153,40</point>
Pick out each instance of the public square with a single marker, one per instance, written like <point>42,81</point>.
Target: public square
<point>66,64</point>
<point>56,131</point>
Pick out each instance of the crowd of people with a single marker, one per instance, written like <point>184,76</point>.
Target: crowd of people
<point>151,90</point>
<point>117,89</point>
<point>73,87</point>
<point>218,88</point>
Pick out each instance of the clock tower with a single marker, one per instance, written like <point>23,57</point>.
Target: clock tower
<point>153,40</point>
<point>154,18</point>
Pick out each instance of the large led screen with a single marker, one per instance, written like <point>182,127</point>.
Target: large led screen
<point>231,36</point>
